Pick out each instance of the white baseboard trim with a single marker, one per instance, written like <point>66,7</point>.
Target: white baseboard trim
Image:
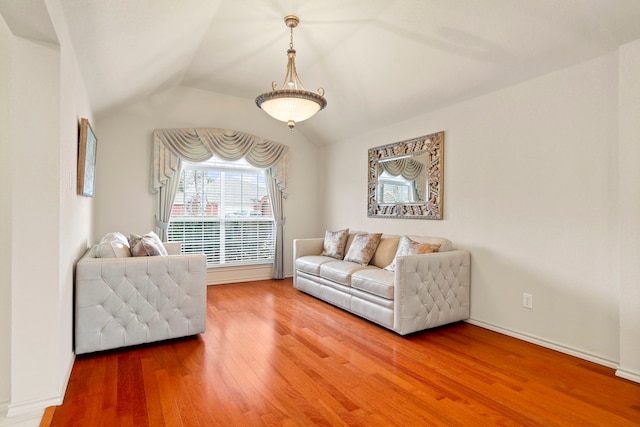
<point>67,377</point>
<point>32,407</point>
<point>546,343</point>
<point>628,375</point>
<point>28,420</point>
<point>30,413</point>
<point>241,273</point>
<point>235,274</point>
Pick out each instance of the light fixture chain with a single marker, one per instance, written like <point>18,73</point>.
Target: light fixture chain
<point>291,39</point>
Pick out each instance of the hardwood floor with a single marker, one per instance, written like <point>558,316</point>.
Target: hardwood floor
<point>274,356</point>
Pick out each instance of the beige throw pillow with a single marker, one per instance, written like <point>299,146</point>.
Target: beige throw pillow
<point>334,243</point>
<point>363,247</point>
<point>411,247</point>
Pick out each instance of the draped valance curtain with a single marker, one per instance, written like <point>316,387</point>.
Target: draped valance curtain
<point>173,146</point>
<point>411,170</point>
<point>408,168</point>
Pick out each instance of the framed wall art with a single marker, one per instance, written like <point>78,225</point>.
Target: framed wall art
<point>87,145</point>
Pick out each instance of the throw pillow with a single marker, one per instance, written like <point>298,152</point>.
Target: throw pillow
<point>158,242</point>
<point>363,247</point>
<point>411,247</point>
<point>147,245</point>
<point>113,245</point>
<point>335,242</point>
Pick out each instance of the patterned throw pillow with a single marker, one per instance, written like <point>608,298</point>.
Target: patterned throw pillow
<point>147,245</point>
<point>363,247</point>
<point>334,243</point>
<point>411,247</point>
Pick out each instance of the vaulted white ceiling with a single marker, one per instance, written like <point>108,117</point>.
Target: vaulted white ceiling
<point>379,61</point>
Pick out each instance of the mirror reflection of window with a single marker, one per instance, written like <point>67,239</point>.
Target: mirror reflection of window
<point>402,180</point>
<point>395,189</point>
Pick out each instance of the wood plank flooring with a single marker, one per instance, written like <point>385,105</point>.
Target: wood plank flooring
<point>273,356</point>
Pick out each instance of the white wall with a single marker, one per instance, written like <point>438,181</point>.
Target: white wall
<point>75,219</point>
<point>47,225</point>
<point>629,198</point>
<point>123,200</point>
<point>35,215</point>
<point>531,190</point>
<point>5,213</point>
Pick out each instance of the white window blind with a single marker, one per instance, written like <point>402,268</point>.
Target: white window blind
<point>394,189</point>
<point>222,209</point>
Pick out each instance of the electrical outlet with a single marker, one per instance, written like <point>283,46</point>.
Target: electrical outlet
<point>527,301</point>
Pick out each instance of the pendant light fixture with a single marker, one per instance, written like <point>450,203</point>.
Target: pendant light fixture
<point>291,103</point>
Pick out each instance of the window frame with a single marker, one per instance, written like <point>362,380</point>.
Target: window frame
<point>218,240</point>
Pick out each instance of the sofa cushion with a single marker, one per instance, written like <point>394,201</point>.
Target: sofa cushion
<point>334,243</point>
<point>375,281</point>
<point>408,246</point>
<point>113,245</point>
<point>363,247</point>
<point>311,263</point>
<point>340,271</point>
<point>386,250</point>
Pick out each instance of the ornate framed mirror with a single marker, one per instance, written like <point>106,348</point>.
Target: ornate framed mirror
<point>406,178</point>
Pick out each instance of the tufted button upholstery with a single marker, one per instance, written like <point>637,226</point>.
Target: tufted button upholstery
<point>136,300</point>
<point>432,293</point>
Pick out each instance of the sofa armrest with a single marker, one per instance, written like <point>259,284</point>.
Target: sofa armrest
<point>431,290</point>
<point>304,247</point>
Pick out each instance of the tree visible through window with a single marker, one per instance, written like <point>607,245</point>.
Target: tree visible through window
<point>222,209</point>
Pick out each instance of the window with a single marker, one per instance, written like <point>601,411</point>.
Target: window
<point>222,209</point>
<point>394,189</point>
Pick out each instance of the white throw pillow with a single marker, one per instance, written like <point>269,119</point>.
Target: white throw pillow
<point>113,245</point>
<point>158,242</point>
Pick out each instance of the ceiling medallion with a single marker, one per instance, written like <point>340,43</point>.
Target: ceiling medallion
<point>291,103</point>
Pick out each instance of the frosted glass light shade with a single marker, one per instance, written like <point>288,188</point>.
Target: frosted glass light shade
<point>291,106</point>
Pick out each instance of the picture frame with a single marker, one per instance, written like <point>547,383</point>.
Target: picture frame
<point>418,165</point>
<point>87,148</point>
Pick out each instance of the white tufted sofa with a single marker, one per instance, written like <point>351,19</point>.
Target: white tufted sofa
<point>424,291</point>
<point>135,300</point>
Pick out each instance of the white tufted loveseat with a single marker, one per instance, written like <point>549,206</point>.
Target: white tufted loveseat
<point>422,292</point>
<point>136,300</point>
